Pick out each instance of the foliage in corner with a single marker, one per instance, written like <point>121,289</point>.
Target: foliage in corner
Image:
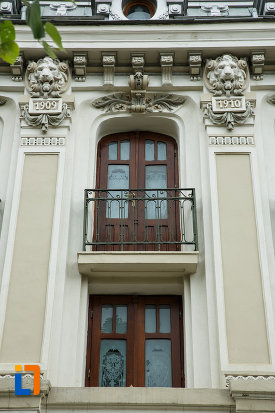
<point>9,49</point>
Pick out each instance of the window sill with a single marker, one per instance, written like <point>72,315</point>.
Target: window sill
<point>146,398</point>
<point>138,263</point>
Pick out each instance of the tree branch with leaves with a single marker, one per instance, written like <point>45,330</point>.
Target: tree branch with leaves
<point>9,49</point>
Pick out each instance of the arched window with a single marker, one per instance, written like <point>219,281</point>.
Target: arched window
<point>139,10</point>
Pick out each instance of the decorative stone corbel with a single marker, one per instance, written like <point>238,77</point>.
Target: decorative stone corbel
<point>166,63</point>
<point>138,62</point>
<point>17,68</point>
<point>257,62</point>
<point>80,62</point>
<point>108,62</point>
<point>195,62</point>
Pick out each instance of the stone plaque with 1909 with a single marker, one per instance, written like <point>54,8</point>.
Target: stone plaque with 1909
<point>48,106</point>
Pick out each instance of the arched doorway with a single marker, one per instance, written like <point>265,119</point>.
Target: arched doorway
<point>137,181</point>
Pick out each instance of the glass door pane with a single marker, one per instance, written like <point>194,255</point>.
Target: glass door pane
<point>156,178</point>
<point>118,178</point>
<point>158,369</point>
<point>112,368</point>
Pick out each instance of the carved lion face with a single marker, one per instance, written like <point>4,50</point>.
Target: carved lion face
<point>226,74</point>
<point>47,75</point>
<point>48,71</point>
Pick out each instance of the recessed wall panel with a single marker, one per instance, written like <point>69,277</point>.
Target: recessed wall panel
<point>243,294</point>
<point>24,322</point>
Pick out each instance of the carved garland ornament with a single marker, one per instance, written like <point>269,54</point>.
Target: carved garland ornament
<point>138,100</point>
<point>228,118</point>
<point>44,119</point>
<point>122,102</point>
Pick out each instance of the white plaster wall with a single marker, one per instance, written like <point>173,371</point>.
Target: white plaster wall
<point>70,308</point>
<point>65,338</point>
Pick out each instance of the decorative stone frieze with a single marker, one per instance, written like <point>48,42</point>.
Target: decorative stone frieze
<point>63,8</point>
<point>226,75</point>
<point>231,140</point>
<point>230,378</point>
<point>47,78</point>
<point>195,62</point>
<point>5,7</point>
<point>215,10</point>
<point>123,102</point>
<point>174,9</point>
<point>228,118</point>
<point>108,62</point>
<point>271,99</point>
<point>257,63</point>
<point>7,383</point>
<point>114,16</point>
<point>41,141</point>
<point>163,16</point>
<point>269,8</point>
<point>103,8</point>
<point>252,393</point>
<point>80,62</point>
<point>17,68</point>
<point>166,63</point>
<point>43,120</point>
<point>3,100</point>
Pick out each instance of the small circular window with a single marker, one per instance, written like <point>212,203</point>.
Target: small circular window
<point>139,10</point>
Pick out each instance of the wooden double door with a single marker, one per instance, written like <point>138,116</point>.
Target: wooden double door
<point>136,193</point>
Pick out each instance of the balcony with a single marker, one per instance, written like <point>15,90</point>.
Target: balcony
<point>139,231</point>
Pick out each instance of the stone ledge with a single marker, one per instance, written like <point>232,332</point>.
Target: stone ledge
<point>253,394</point>
<point>133,397</point>
<point>138,263</point>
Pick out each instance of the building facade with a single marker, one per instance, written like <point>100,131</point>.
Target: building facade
<point>137,208</point>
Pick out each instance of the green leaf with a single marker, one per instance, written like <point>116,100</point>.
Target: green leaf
<point>7,32</point>
<point>33,17</point>
<point>9,51</point>
<point>54,34</point>
<point>26,3</point>
<point>49,50</point>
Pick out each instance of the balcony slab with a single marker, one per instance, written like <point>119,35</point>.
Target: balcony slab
<point>138,263</point>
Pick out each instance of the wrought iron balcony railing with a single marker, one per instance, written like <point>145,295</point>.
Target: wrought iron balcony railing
<point>140,220</point>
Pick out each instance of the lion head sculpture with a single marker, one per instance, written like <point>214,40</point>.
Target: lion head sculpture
<point>47,78</point>
<point>226,75</point>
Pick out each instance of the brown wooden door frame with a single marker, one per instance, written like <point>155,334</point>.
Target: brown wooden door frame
<point>137,165</point>
<point>135,336</point>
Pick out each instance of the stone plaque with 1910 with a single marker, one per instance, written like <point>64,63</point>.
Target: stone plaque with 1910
<point>49,106</point>
<point>231,104</point>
